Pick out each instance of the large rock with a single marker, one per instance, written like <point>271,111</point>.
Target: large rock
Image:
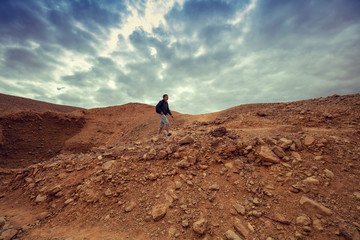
<point>159,211</point>
<point>267,155</point>
<point>219,132</point>
<point>200,226</point>
<point>312,206</point>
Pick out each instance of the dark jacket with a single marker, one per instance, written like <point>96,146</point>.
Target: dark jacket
<point>163,106</point>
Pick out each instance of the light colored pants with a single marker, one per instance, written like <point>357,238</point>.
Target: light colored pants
<point>164,121</point>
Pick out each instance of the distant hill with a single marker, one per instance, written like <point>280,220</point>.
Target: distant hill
<point>12,104</point>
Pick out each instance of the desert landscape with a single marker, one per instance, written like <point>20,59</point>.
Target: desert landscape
<point>256,171</point>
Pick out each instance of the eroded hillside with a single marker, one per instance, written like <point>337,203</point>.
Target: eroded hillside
<point>259,171</point>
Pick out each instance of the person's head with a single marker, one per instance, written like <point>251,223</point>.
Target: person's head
<point>165,97</point>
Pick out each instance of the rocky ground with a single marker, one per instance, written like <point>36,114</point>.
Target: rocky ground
<point>258,171</point>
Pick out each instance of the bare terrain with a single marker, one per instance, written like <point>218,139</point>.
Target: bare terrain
<point>256,171</point>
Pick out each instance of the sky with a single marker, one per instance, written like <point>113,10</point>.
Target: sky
<point>206,55</point>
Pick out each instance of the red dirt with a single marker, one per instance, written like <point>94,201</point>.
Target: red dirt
<point>110,170</point>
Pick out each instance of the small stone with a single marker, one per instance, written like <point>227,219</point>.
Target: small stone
<point>70,200</point>
<point>200,226</point>
<point>311,180</point>
<point>108,164</point>
<point>186,140</point>
<point>319,158</point>
<point>309,141</point>
<point>329,173</point>
<point>183,164</point>
<point>40,198</point>
<point>256,213</point>
<point>357,195</point>
<point>108,192</point>
<point>296,156</point>
<point>219,132</point>
<point>278,151</point>
<point>312,205</point>
<point>267,155</point>
<point>178,185</point>
<point>130,206</point>
<point>2,222</point>
<point>243,230</point>
<point>159,211</point>
<point>214,187</point>
<point>317,224</point>
<point>230,235</point>
<point>303,220</point>
<point>162,154</point>
<point>286,141</point>
<point>185,223</point>
<point>239,208</point>
<point>100,157</point>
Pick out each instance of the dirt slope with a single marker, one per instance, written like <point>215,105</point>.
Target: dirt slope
<point>12,104</point>
<point>257,171</point>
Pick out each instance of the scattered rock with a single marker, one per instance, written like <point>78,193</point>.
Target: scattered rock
<point>309,140</point>
<point>186,140</point>
<point>303,220</point>
<point>214,187</point>
<point>162,154</point>
<point>230,235</point>
<point>200,226</point>
<point>312,205</point>
<point>267,155</point>
<point>68,201</point>
<point>329,173</point>
<point>243,230</point>
<point>178,185</point>
<point>159,211</point>
<point>278,151</point>
<point>219,132</point>
<point>183,164</point>
<point>40,198</point>
<point>357,195</point>
<point>311,180</point>
<point>286,141</point>
<point>2,222</point>
<point>239,209</point>
<point>130,206</point>
<point>317,224</point>
<point>108,165</point>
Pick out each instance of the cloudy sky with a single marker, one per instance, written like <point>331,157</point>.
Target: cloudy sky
<point>207,55</point>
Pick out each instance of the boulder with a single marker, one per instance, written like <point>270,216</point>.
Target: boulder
<point>309,141</point>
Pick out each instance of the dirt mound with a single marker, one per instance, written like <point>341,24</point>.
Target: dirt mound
<point>258,171</point>
<point>12,104</point>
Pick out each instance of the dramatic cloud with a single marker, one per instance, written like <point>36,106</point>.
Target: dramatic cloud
<point>207,55</point>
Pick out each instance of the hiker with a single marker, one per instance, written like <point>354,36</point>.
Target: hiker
<point>162,108</point>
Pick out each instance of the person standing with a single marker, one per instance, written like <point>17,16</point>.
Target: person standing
<point>162,108</point>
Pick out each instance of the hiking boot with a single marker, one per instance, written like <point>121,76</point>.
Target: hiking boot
<point>169,134</point>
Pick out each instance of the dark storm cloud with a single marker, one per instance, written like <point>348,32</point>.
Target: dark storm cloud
<point>207,55</point>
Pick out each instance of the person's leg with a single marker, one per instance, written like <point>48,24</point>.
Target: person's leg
<point>162,123</point>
